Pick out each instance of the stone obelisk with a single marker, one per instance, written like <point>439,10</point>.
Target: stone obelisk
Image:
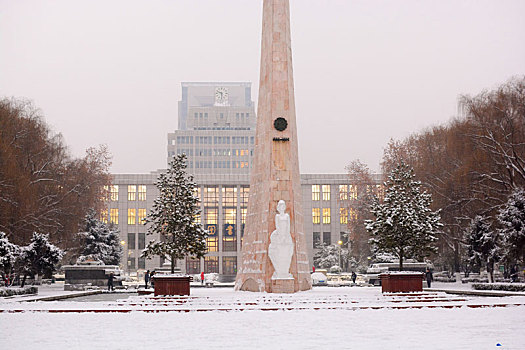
<point>274,257</point>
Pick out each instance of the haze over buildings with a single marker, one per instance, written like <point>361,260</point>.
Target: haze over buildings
<point>111,72</point>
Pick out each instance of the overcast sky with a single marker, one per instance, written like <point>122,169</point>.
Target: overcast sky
<point>109,72</point>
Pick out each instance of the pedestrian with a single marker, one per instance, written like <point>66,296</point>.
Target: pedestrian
<point>152,279</point>
<point>354,276</point>
<point>429,277</point>
<point>202,278</point>
<point>514,273</point>
<point>110,282</point>
<point>146,280</point>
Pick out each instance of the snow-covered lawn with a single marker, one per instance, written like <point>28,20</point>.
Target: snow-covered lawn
<point>345,327</point>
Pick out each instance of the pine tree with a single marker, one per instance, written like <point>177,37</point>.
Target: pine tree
<point>40,257</point>
<point>173,216</point>
<point>100,241</point>
<point>8,255</point>
<point>404,225</point>
<point>328,256</point>
<point>512,221</point>
<point>483,245</point>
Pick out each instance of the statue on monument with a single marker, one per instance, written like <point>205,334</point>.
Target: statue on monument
<point>280,249</point>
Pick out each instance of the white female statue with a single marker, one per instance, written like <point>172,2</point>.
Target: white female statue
<point>280,250</point>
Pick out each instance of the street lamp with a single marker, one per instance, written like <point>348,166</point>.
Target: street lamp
<point>340,243</point>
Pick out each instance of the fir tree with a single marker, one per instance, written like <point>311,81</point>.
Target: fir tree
<point>482,243</point>
<point>40,257</point>
<point>328,256</point>
<point>512,221</point>
<point>8,255</point>
<point>100,241</point>
<point>173,216</point>
<point>404,225</point>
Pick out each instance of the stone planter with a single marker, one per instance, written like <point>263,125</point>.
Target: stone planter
<point>172,285</point>
<point>396,282</point>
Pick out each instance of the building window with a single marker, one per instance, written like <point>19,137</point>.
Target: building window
<point>229,196</point>
<point>343,192</point>
<point>316,192</point>
<point>113,216</point>
<point>131,240</point>
<point>142,216</point>
<point>343,216</point>
<point>353,215</point>
<point>104,216</point>
<point>142,263</point>
<point>212,244</point>
<point>326,192</point>
<point>317,240</point>
<point>353,192</point>
<point>142,241</point>
<point>327,238</point>
<point>326,215</point>
<point>142,192</point>
<point>131,216</point>
<point>211,196</point>
<point>131,263</point>
<point>380,191</point>
<point>211,264</point>
<point>316,215</point>
<point>132,192</point>
<point>229,265</point>
<point>229,234</point>
<point>245,194</point>
<point>193,266</point>
<point>113,192</point>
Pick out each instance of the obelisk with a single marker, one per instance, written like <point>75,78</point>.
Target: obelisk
<point>274,256</point>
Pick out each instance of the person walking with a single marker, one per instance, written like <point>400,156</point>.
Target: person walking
<point>146,280</point>
<point>202,278</point>
<point>429,277</point>
<point>110,282</point>
<point>354,276</point>
<point>152,279</point>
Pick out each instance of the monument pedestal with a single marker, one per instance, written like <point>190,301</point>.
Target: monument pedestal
<point>283,285</point>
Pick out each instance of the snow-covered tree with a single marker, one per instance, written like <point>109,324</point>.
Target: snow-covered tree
<point>173,216</point>
<point>8,255</point>
<point>40,257</point>
<point>482,242</point>
<point>328,256</point>
<point>100,241</point>
<point>404,225</point>
<point>512,221</point>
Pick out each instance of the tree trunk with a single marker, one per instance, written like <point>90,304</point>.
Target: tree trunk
<point>401,262</point>
<point>23,281</point>
<point>172,264</point>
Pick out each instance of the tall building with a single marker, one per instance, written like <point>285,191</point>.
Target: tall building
<point>216,128</point>
<point>211,143</point>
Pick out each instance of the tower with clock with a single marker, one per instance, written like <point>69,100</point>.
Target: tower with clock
<point>221,96</point>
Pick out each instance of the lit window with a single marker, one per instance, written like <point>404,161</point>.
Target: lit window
<point>212,244</point>
<point>211,216</point>
<point>229,196</point>
<point>353,192</point>
<point>326,215</point>
<point>380,192</point>
<point>104,216</point>
<point>343,215</point>
<point>142,192</point>
<point>113,216</point>
<point>211,264</point>
<point>316,192</point>
<point>142,216</point>
<point>326,192</point>
<point>316,215</point>
<point>131,216</point>
<point>114,192</point>
<point>353,215</point>
<point>343,192</point>
<point>132,192</point>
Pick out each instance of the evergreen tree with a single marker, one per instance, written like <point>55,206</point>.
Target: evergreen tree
<point>40,257</point>
<point>101,242</point>
<point>482,244</point>
<point>512,220</point>
<point>404,225</point>
<point>328,256</point>
<point>8,255</point>
<point>173,216</point>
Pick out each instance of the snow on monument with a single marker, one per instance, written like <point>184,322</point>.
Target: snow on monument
<point>274,257</point>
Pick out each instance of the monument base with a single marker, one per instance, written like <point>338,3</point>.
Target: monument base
<point>283,285</point>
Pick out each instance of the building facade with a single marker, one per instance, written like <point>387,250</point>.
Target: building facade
<point>216,131</point>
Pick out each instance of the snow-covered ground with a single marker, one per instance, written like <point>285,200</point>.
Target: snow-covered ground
<point>324,318</point>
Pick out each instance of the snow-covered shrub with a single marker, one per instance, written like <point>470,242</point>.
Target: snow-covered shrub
<point>510,287</point>
<point>100,241</point>
<point>40,257</point>
<point>7,292</point>
<point>512,220</point>
<point>9,252</point>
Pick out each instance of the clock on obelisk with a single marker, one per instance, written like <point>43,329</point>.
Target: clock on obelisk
<point>274,257</point>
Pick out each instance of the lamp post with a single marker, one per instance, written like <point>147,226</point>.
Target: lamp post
<point>340,243</point>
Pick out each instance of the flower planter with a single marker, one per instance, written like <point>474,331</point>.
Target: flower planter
<point>402,282</point>
<point>172,285</point>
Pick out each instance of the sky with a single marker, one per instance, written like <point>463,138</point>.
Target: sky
<point>109,72</point>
